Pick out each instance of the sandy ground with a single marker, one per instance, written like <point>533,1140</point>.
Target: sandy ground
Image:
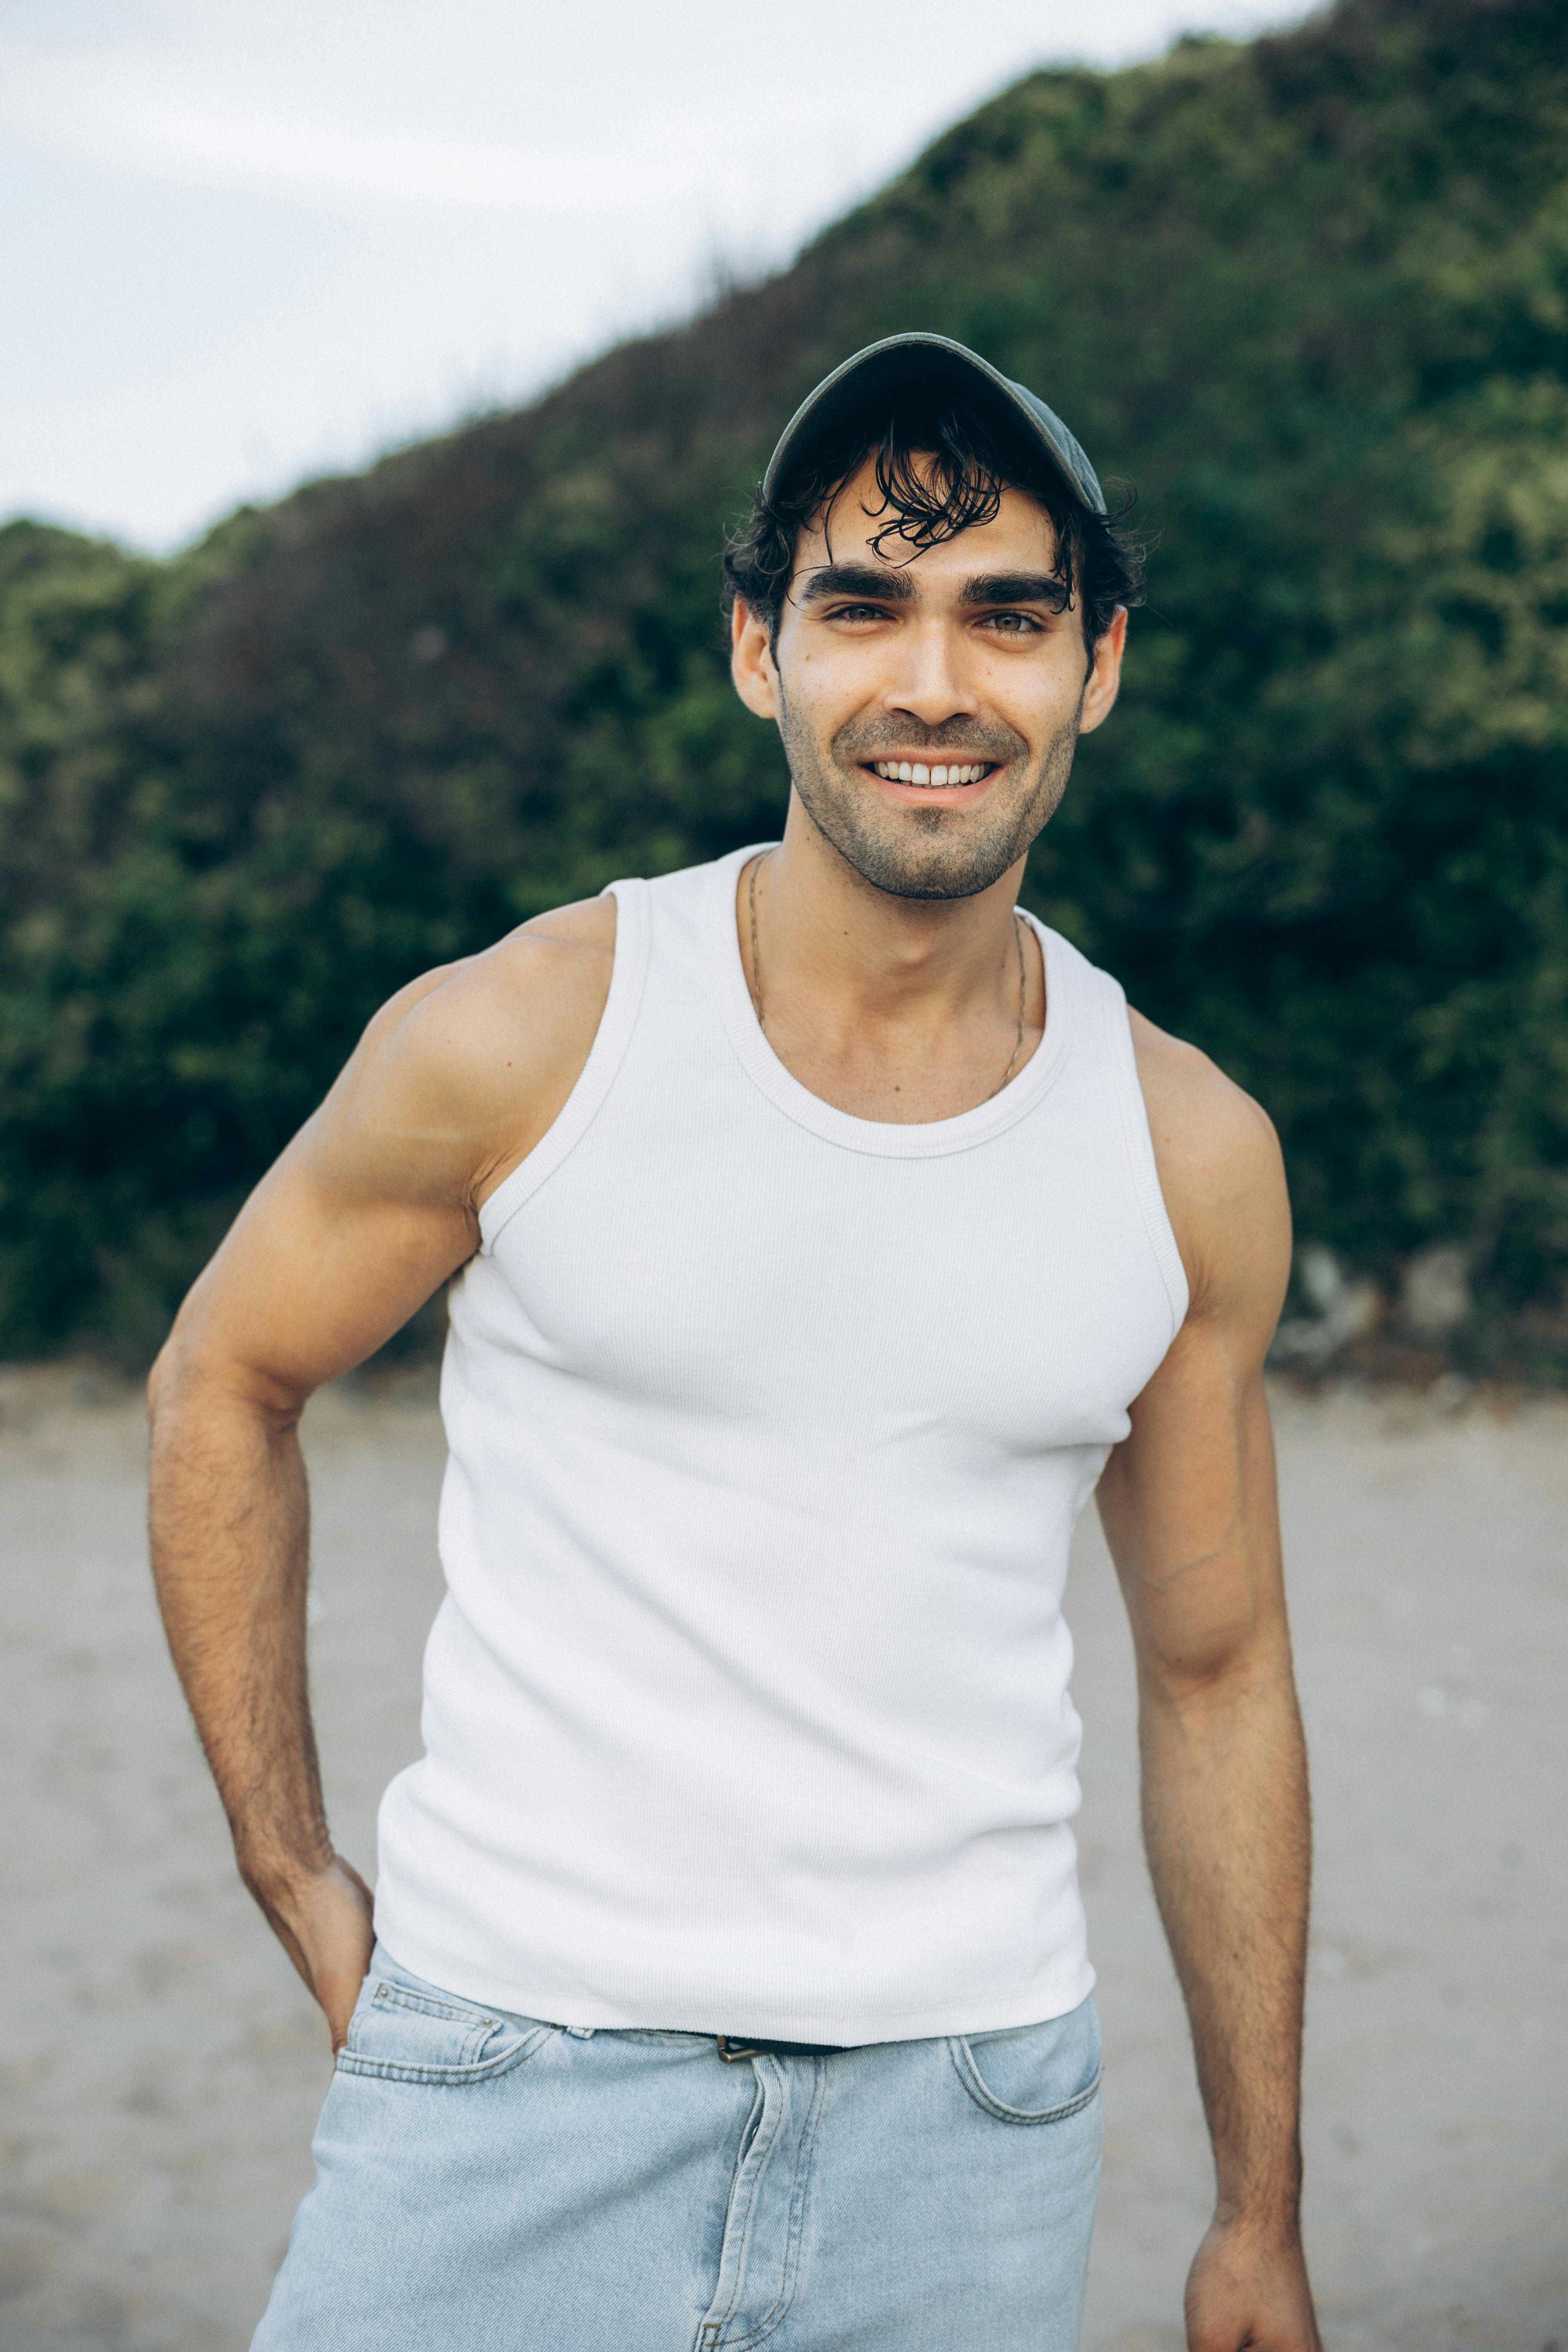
<point>163,2067</point>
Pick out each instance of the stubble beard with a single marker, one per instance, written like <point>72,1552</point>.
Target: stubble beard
<point>915,852</point>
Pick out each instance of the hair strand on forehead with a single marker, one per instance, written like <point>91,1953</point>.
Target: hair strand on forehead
<point>934,494</point>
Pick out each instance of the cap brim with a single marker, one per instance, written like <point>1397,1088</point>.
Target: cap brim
<point>886,368</point>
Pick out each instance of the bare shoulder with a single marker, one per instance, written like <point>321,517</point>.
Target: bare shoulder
<point>515,1005</point>
<point>469,1065</point>
<point>1221,1173</point>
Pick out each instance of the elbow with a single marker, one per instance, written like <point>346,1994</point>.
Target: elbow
<point>177,1368</point>
<point>1217,1672</point>
<point>162,1380</point>
<point>189,1379</point>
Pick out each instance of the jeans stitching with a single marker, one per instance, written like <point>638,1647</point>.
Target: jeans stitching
<point>969,2074</point>
<point>392,2070</point>
<point>388,1997</point>
<point>805,2157</point>
<point>756,2157</point>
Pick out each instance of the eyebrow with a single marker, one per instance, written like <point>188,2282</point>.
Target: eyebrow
<point>1014,588</point>
<point>881,584</point>
<point>889,584</point>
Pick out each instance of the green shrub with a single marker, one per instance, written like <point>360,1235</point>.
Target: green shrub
<point>1309,295</point>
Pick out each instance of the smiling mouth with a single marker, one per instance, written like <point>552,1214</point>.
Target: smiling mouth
<point>938,778</point>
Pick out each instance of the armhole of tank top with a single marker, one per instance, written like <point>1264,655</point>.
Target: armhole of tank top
<point>597,1076</point>
<point>1140,1161</point>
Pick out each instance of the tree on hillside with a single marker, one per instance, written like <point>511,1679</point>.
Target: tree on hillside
<point>1309,294</point>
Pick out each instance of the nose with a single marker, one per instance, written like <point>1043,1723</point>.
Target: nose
<point>929,684</point>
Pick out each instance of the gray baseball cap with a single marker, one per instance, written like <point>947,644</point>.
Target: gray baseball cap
<point>899,363</point>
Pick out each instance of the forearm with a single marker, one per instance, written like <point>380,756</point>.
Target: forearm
<point>1227,1830</point>
<point>230,1524</point>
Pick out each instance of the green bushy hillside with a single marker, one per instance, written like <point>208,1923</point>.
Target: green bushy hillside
<point>1309,295</point>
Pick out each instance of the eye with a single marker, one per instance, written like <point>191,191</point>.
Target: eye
<point>1013,624</point>
<point>856,613</point>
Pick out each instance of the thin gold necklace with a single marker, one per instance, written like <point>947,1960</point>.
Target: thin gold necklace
<point>757,864</point>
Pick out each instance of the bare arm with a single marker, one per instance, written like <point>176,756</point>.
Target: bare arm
<point>372,1207</point>
<point>1189,1508</point>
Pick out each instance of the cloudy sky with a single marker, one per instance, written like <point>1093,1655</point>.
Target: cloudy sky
<point>245,243</point>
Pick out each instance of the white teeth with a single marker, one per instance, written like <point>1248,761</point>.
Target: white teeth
<point>906,771</point>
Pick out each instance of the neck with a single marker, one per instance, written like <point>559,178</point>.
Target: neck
<point>836,935</point>
<point>893,1008</point>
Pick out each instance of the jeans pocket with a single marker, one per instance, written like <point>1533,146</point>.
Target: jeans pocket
<point>1032,2074</point>
<point>405,2031</point>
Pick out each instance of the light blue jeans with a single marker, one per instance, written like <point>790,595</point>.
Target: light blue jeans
<point>490,2183</point>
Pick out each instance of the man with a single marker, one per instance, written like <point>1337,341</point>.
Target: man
<point>824,1230</point>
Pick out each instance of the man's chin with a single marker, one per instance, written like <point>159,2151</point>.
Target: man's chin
<point>928,855</point>
<point>923,869</point>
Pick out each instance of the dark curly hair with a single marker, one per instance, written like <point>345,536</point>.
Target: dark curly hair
<point>966,461</point>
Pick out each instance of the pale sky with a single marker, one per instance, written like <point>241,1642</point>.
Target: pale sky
<point>247,243</point>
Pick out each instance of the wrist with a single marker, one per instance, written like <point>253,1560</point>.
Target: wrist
<point>283,1882</point>
<point>1259,2220</point>
<point>1261,2198</point>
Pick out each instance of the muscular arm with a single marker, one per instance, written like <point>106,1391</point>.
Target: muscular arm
<point>372,1207</point>
<point>1189,1510</point>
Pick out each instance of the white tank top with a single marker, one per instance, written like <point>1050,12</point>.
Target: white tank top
<point>746,1710</point>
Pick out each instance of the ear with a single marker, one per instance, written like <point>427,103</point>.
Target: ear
<point>1104,681</point>
<point>751,662</point>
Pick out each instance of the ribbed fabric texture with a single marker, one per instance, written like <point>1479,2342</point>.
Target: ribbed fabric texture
<point>747,1707</point>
